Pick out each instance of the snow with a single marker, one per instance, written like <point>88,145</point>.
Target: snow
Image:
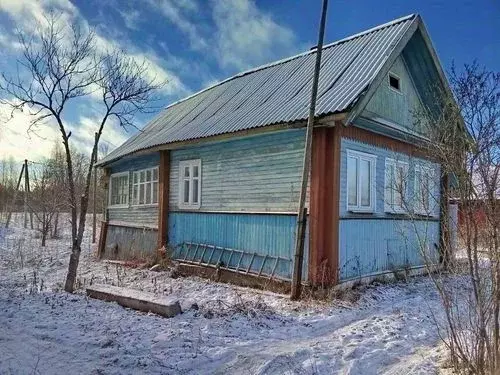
<point>390,329</point>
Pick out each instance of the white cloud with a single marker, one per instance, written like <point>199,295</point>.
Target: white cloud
<point>14,137</point>
<point>17,141</point>
<point>247,36</point>
<point>179,14</point>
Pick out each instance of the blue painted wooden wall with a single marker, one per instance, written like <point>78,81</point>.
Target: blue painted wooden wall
<point>260,173</point>
<point>147,215</point>
<point>380,242</point>
<point>264,234</point>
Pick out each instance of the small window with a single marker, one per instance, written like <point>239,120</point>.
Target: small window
<point>190,184</point>
<point>118,190</point>
<point>360,181</point>
<point>424,190</point>
<point>394,82</point>
<point>145,187</point>
<point>396,184</point>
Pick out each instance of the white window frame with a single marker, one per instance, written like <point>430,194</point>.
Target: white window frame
<point>388,204</point>
<point>394,75</point>
<point>372,159</point>
<point>418,207</point>
<point>135,203</point>
<point>189,163</point>
<point>116,175</point>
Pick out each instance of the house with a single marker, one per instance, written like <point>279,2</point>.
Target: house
<point>216,176</point>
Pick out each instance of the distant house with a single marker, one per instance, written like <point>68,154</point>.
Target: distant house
<point>216,176</point>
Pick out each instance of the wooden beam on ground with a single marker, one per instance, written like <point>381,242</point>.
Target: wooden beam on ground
<point>136,299</point>
<point>163,191</point>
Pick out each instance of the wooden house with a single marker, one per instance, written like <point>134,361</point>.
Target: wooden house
<point>215,177</point>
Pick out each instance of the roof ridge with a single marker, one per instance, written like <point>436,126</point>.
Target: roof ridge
<point>286,59</point>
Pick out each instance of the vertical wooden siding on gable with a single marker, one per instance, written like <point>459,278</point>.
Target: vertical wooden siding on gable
<point>147,215</point>
<point>255,174</point>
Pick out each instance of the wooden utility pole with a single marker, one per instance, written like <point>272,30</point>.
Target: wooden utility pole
<point>94,216</point>
<point>26,196</point>
<point>302,211</point>
<point>14,198</point>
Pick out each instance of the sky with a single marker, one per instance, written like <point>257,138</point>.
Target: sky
<point>195,43</point>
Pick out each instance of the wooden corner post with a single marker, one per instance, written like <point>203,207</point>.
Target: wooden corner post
<point>324,208</point>
<point>163,198</point>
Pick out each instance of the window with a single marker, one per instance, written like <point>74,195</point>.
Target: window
<point>190,183</point>
<point>118,191</point>
<point>396,184</point>
<point>145,187</point>
<point>424,190</point>
<point>394,82</point>
<point>360,181</point>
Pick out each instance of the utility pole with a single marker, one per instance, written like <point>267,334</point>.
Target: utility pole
<point>14,198</point>
<point>302,211</point>
<point>26,194</point>
<point>94,195</point>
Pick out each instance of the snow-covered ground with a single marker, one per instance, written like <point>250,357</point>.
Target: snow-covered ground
<point>390,329</point>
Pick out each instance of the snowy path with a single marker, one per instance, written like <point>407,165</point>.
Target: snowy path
<point>390,332</point>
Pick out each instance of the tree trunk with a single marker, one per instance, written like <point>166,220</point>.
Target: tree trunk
<point>74,259</point>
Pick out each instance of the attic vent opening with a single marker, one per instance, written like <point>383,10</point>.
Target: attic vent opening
<point>394,82</point>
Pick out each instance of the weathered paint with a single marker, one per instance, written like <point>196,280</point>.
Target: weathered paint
<point>397,107</point>
<point>139,215</point>
<point>382,154</point>
<point>260,173</point>
<point>129,243</point>
<point>383,245</point>
<point>264,234</point>
<point>380,242</point>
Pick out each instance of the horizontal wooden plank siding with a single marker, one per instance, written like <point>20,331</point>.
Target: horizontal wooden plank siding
<point>139,215</point>
<point>260,173</point>
<point>381,154</point>
<point>264,234</point>
<point>374,243</point>
<point>376,246</point>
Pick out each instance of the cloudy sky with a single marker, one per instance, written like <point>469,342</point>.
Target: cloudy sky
<point>195,43</point>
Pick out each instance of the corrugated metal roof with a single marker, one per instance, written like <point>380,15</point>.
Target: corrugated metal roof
<point>275,93</point>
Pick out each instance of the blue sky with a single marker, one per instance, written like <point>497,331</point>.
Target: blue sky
<point>195,43</point>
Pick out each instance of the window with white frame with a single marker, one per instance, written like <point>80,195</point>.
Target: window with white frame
<point>360,181</point>
<point>424,190</point>
<point>396,184</point>
<point>145,187</point>
<point>190,183</point>
<point>118,190</point>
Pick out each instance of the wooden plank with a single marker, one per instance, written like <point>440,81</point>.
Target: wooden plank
<point>163,199</point>
<point>135,299</point>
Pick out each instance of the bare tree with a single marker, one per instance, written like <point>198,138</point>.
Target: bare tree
<point>45,197</point>
<point>61,64</point>
<point>464,139</point>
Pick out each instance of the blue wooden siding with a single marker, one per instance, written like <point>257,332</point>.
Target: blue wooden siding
<point>147,215</point>
<point>264,234</point>
<point>379,242</point>
<point>396,107</point>
<point>376,246</point>
<point>382,154</point>
<point>260,173</point>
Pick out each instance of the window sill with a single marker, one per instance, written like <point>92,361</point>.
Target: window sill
<point>144,205</point>
<point>187,208</point>
<point>119,206</point>
<point>361,211</point>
